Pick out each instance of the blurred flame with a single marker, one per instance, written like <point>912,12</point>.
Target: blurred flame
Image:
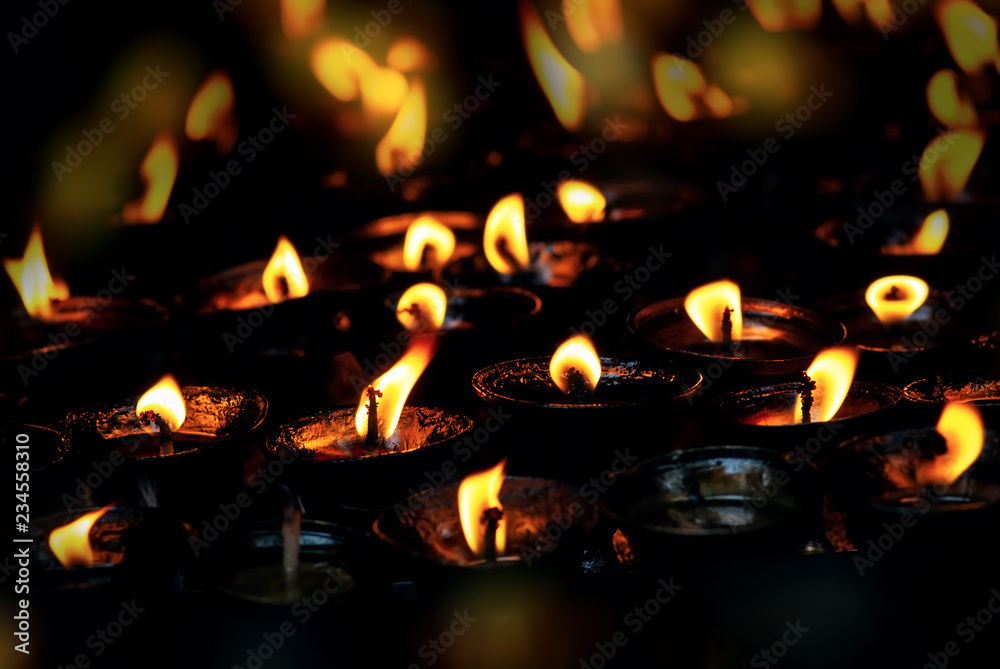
<point>929,238</point>
<point>333,64</point>
<point>427,231</point>
<point>395,386</point>
<point>962,428</point>
<point>562,84</point>
<point>833,372</point>
<point>943,174</point>
<point>408,54</point>
<point>947,104</point>
<point>301,18</point>
<point>893,307</point>
<point>575,353</point>
<point>780,15</point>
<point>71,543</point>
<point>582,202</point>
<point>506,222</point>
<point>384,90</point>
<point>478,493</point>
<point>403,145</point>
<point>430,303</point>
<point>970,32</point>
<point>35,284</point>
<point>593,23</point>
<point>158,170</point>
<point>164,398</point>
<point>284,277</point>
<point>212,114</point>
<point>684,92</point>
<point>705,305</point>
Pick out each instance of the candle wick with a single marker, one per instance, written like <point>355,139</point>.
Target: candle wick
<point>163,430</point>
<point>727,332</point>
<point>283,287</point>
<point>413,310</point>
<point>806,388</point>
<point>372,441</point>
<point>579,389</point>
<point>291,529</point>
<point>893,294</point>
<point>491,518</point>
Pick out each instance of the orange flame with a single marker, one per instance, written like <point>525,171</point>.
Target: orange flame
<point>164,398</point>
<point>943,173</point>
<point>212,114</point>
<point>284,277</point>
<point>506,224</point>
<point>422,305</point>
<point>878,11</point>
<point>408,54</point>
<point>894,298</point>
<point>333,64</point>
<point>581,201</point>
<point>593,23</point>
<point>403,145</point>
<point>833,372</point>
<point>477,493</point>
<point>684,92</point>
<point>948,105</point>
<point>579,354</point>
<point>970,32</point>
<point>384,91</point>
<point>395,386</point>
<point>962,428</point>
<point>71,543</point>
<point>158,170</point>
<point>35,284</point>
<point>562,84</point>
<point>929,238</point>
<point>301,18</point>
<point>781,15</point>
<point>705,306</point>
<point>427,231</point>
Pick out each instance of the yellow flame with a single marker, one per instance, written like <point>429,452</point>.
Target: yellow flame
<point>970,32</point>
<point>781,15</point>
<point>395,386</point>
<point>164,398</point>
<point>301,18</point>
<point>336,63</point>
<point>427,231</point>
<point>944,173</point>
<point>562,84</point>
<point>962,428</point>
<point>158,170</point>
<point>506,222</point>
<point>684,92</point>
<point>832,371</point>
<point>878,11</point>
<point>384,91</point>
<point>478,493</point>
<point>35,284</point>
<point>593,23</point>
<point>403,145</point>
<point>929,238</point>
<point>949,106</point>
<point>581,201</point>
<point>71,543</point>
<point>705,306</point>
<point>894,298</point>
<point>423,305</point>
<point>575,353</point>
<point>408,54</point>
<point>212,114</point>
<point>283,276</point>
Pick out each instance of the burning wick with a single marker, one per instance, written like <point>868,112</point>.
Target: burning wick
<point>727,332</point>
<point>372,441</point>
<point>291,528</point>
<point>158,426</point>
<point>579,389</point>
<point>806,388</point>
<point>491,519</point>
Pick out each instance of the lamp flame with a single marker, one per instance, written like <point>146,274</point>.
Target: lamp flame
<point>962,428</point>
<point>832,371</point>
<point>335,62</point>
<point>212,114</point>
<point>582,202</point>
<point>283,276</point>
<point>562,84</point>
<point>408,54</point>
<point>684,92</point>
<point>894,298</point>
<point>929,238</point>
<point>579,354</point>
<point>505,227</point>
<point>158,170</point>
<point>781,15</point>
<point>878,11</point>
<point>71,543</point>
<point>950,106</point>
<point>395,386</point>
<point>423,305</point>
<point>970,32</point>
<point>35,284</point>
<point>384,91</point>
<point>943,173</point>
<point>706,304</point>
<point>403,144</point>
<point>301,18</point>
<point>593,23</point>
<point>165,399</point>
<point>426,232</point>
<point>477,493</point>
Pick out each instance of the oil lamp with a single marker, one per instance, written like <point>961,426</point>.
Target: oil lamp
<point>415,245</point>
<point>955,386</point>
